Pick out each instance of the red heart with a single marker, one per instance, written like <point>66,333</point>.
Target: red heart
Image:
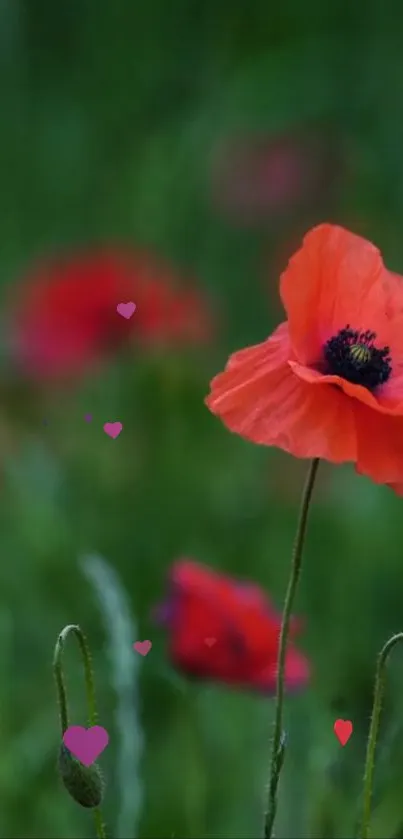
<point>343,730</point>
<point>210,641</point>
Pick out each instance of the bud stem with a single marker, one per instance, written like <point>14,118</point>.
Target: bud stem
<point>90,691</point>
<point>373,732</point>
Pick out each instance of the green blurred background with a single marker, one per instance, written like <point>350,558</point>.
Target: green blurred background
<point>122,121</point>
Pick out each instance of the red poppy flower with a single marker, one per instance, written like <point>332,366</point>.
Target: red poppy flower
<point>226,630</point>
<point>329,382</point>
<point>65,316</point>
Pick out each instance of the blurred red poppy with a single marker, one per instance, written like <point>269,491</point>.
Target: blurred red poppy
<point>65,314</point>
<point>263,177</point>
<point>226,630</point>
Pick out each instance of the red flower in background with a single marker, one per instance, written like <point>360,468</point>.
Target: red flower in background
<point>65,314</point>
<point>226,630</point>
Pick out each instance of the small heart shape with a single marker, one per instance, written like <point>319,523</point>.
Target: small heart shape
<point>86,743</point>
<point>343,730</point>
<point>113,429</point>
<point>142,647</point>
<point>210,641</point>
<point>126,309</point>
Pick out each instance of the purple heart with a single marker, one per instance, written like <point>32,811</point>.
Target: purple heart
<point>86,743</point>
<point>126,309</point>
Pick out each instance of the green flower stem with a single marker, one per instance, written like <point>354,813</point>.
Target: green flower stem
<point>89,677</point>
<point>90,691</point>
<point>278,749</point>
<point>99,824</point>
<point>380,679</point>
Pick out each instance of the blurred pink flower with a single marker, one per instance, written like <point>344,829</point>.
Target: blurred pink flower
<point>261,177</point>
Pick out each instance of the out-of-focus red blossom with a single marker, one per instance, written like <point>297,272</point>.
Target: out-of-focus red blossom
<point>263,177</point>
<point>225,630</point>
<point>64,316</point>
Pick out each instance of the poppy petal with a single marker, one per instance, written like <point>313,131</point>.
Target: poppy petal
<point>297,673</point>
<point>379,445</point>
<point>386,400</point>
<point>297,669</point>
<point>259,397</point>
<point>397,488</point>
<point>394,312</point>
<point>332,281</point>
<point>383,462</point>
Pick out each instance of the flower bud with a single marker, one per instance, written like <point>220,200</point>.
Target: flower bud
<point>84,783</point>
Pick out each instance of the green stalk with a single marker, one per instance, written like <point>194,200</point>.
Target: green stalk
<point>278,748</point>
<point>379,690</point>
<point>83,783</point>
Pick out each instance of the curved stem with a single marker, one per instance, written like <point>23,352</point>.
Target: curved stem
<point>373,732</point>
<point>278,749</point>
<point>90,691</point>
<point>88,675</point>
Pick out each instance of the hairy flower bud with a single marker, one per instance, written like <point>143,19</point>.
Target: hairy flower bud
<point>84,783</point>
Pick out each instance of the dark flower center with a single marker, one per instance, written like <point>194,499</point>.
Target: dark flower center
<point>353,356</point>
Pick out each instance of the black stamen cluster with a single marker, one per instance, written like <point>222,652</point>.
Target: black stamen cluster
<point>369,367</point>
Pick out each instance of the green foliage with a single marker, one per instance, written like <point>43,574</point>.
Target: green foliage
<point>111,115</point>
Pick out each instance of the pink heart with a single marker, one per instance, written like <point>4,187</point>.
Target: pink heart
<point>343,730</point>
<point>210,641</point>
<point>126,309</point>
<point>86,743</point>
<point>142,647</point>
<point>113,429</point>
